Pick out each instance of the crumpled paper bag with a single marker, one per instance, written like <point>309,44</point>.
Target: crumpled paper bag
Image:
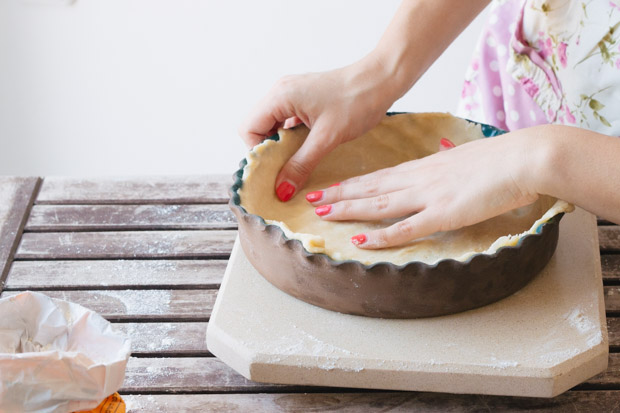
<point>57,356</point>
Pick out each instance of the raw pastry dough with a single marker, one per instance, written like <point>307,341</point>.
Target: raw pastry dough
<point>396,139</point>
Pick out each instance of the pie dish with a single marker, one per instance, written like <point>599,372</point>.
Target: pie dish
<point>447,272</point>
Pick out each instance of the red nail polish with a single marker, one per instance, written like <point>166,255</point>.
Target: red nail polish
<point>336,184</point>
<point>358,239</point>
<point>314,196</point>
<point>285,191</point>
<point>446,144</point>
<point>322,210</point>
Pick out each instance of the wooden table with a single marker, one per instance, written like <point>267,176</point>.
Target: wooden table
<point>149,254</point>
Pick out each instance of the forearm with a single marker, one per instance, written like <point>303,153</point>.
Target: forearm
<point>579,166</point>
<point>417,35</point>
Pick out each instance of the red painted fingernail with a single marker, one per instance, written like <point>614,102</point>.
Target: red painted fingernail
<point>322,210</point>
<point>358,239</point>
<point>285,191</point>
<point>314,196</point>
<point>446,144</point>
<point>336,184</point>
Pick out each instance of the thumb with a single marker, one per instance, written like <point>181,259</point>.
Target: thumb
<point>298,168</point>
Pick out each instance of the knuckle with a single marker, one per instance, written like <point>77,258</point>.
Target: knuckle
<point>405,227</point>
<point>446,222</point>
<point>381,202</point>
<point>371,187</point>
<point>338,192</point>
<point>299,168</point>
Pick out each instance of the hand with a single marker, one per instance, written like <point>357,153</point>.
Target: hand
<point>337,106</point>
<point>445,191</point>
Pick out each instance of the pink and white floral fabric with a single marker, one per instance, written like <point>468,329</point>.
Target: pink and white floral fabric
<point>553,61</point>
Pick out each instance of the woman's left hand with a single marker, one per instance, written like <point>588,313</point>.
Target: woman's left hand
<point>445,191</point>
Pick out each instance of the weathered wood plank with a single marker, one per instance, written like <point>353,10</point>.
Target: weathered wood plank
<point>187,374</point>
<point>613,330</point>
<point>187,337</point>
<point>129,244</point>
<point>612,299</point>
<point>610,379</point>
<point>136,190</point>
<point>16,197</point>
<point>209,374</point>
<point>145,305</point>
<point>609,238</point>
<point>116,273</point>
<point>166,338</point>
<point>610,264</point>
<point>129,217</point>
<point>375,402</point>
<point>172,304</point>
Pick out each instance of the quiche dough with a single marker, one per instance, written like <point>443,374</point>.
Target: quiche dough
<point>396,139</point>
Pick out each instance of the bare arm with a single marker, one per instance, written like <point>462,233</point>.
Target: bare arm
<point>418,34</point>
<point>581,167</point>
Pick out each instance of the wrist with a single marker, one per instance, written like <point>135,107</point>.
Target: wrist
<point>544,158</point>
<point>373,81</point>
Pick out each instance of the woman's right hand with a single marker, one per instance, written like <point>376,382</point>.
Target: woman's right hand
<point>337,106</point>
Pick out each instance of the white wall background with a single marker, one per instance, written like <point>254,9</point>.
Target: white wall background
<point>132,87</point>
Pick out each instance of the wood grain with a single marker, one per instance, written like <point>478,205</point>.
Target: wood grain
<point>209,374</point>
<point>612,300</point>
<point>188,374</point>
<point>129,217</point>
<point>609,238</point>
<point>128,244</point>
<point>136,190</point>
<point>116,274</point>
<point>610,379</point>
<point>613,330</point>
<point>16,197</point>
<point>172,339</point>
<point>145,305</point>
<point>370,402</point>
<point>198,273</point>
<point>610,263</point>
<point>123,303</point>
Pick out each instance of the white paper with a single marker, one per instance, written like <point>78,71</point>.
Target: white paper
<point>57,356</point>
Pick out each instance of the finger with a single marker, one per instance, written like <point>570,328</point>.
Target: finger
<point>420,225</point>
<point>292,122</point>
<point>298,168</point>
<point>368,188</point>
<point>445,144</point>
<point>390,205</point>
<point>266,118</point>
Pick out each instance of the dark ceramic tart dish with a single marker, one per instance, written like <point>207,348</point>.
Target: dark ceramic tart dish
<point>445,273</point>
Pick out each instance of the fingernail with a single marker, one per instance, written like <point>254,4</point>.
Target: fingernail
<point>322,210</point>
<point>314,196</point>
<point>336,184</point>
<point>285,191</point>
<point>358,239</point>
<point>446,144</point>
